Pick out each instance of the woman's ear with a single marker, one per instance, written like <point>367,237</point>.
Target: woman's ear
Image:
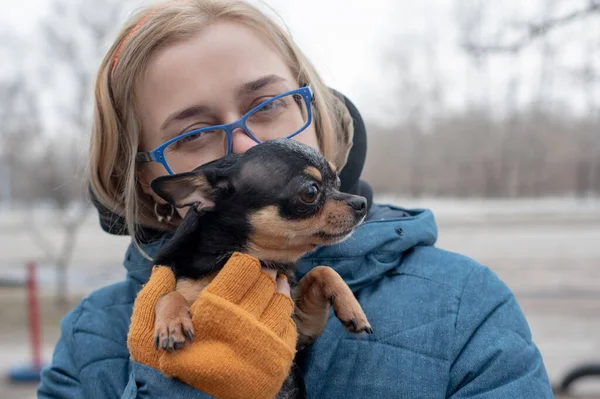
<point>144,179</point>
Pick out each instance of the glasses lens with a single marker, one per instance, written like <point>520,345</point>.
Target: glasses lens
<point>279,118</point>
<point>196,149</point>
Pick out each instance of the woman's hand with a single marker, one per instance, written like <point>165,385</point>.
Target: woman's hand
<point>244,336</point>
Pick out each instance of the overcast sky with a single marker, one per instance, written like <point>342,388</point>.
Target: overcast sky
<point>348,41</point>
<point>344,39</point>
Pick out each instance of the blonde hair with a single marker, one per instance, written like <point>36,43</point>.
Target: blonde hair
<point>116,130</point>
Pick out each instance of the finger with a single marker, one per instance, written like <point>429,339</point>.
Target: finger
<point>283,286</point>
<point>270,272</point>
<point>243,282</point>
<point>258,297</point>
<point>235,279</point>
<point>277,315</point>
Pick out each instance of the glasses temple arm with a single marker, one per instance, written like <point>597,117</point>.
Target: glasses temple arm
<point>144,157</point>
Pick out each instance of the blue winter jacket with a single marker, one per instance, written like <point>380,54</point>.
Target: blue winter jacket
<point>445,327</point>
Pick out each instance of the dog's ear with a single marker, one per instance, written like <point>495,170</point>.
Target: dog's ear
<point>186,189</point>
<point>199,188</point>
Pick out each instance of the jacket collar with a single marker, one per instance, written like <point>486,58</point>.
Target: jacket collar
<point>374,249</point>
<point>377,246</point>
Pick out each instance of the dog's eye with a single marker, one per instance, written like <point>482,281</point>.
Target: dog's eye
<point>310,193</point>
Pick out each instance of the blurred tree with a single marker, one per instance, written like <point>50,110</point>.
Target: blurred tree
<point>74,35</point>
<point>19,123</point>
<point>45,119</point>
<point>514,136</point>
<point>528,32</point>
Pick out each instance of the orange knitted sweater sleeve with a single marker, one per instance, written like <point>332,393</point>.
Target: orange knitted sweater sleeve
<point>244,336</point>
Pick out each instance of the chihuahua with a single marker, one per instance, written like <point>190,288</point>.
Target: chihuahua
<point>276,202</point>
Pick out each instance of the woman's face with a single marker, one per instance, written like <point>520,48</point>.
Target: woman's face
<point>211,79</point>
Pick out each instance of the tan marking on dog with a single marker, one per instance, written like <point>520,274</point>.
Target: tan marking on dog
<point>276,239</point>
<point>190,289</point>
<point>287,255</point>
<point>284,240</point>
<point>313,297</point>
<point>332,166</point>
<point>314,172</point>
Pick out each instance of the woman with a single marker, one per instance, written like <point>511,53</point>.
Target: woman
<point>445,326</point>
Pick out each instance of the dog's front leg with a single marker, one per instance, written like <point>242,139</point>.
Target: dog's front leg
<point>173,319</point>
<point>172,322</point>
<point>319,289</point>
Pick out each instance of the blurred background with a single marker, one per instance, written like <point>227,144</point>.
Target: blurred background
<point>485,111</point>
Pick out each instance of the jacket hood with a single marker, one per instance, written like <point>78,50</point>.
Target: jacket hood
<point>376,247</point>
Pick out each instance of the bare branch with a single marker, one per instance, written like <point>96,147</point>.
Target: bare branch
<point>533,32</point>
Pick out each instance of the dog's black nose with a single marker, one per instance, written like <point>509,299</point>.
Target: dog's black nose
<point>359,204</point>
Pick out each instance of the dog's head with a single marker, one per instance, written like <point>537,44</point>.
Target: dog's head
<point>285,192</point>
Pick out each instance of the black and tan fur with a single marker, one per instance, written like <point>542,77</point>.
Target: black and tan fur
<point>276,202</point>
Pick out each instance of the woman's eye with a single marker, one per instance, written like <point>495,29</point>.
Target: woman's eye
<point>272,106</point>
<point>187,141</point>
<point>191,137</point>
<point>310,193</point>
<point>267,107</point>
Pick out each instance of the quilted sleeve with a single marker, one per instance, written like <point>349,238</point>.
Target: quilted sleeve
<point>89,361</point>
<point>60,379</point>
<point>494,356</point>
<point>146,382</point>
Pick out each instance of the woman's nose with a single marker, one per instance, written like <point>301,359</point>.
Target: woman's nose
<point>241,142</point>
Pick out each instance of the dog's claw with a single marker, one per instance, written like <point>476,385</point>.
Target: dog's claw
<point>173,322</point>
<point>352,323</point>
<point>369,330</point>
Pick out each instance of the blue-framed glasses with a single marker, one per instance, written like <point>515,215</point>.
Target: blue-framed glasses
<point>283,116</point>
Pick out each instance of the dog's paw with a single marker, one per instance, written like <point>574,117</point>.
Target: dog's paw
<point>350,314</point>
<point>173,323</point>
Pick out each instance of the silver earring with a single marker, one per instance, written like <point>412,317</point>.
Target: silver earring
<point>163,218</point>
